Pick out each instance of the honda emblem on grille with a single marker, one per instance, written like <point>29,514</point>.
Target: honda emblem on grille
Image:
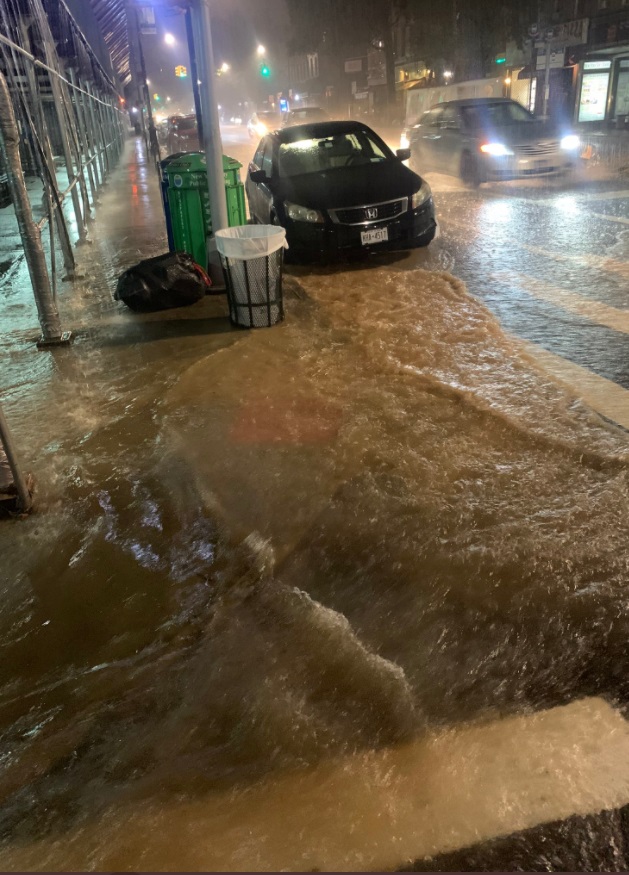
<point>372,212</point>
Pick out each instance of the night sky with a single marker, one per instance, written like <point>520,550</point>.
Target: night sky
<point>238,27</point>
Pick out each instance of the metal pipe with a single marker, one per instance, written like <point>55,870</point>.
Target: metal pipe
<point>31,237</point>
<point>194,75</point>
<point>98,133</point>
<point>83,143</point>
<point>39,132</point>
<point>35,61</point>
<point>24,498</point>
<point>65,119</point>
<point>202,30</point>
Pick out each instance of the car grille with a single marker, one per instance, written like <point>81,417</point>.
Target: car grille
<point>539,149</point>
<point>370,213</point>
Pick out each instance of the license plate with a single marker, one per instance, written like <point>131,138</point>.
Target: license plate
<point>376,235</point>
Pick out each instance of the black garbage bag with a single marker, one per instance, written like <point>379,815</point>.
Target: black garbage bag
<point>164,282</point>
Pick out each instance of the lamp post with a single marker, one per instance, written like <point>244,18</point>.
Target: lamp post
<point>204,53</point>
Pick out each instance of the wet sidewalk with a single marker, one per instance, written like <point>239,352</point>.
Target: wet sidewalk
<point>119,360</point>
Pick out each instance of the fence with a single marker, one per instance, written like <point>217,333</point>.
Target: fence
<point>62,131</point>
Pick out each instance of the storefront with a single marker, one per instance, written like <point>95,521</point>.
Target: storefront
<point>603,95</point>
<point>594,93</point>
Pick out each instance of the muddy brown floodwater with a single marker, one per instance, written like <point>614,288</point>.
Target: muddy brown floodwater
<point>368,525</point>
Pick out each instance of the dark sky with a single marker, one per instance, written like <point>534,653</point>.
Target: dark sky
<point>238,26</point>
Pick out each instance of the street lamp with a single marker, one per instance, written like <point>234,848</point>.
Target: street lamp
<point>225,68</point>
<point>447,75</point>
<point>261,50</point>
<point>169,39</point>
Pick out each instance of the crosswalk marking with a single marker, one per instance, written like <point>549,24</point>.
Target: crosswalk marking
<point>375,810</point>
<point>600,262</point>
<point>618,219</point>
<point>602,395</point>
<point>602,314</point>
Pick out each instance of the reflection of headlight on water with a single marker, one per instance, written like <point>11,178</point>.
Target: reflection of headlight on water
<point>497,212</point>
<point>571,142</point>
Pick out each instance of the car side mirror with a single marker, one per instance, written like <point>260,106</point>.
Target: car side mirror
<point>258,176</point>
<point>403,154</point>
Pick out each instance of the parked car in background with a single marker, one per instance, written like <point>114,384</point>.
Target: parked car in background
<point>183,134</point>
<point>337,188</point>
<point>304,116</point>
<point>485,139</point>
<point>261,123</point>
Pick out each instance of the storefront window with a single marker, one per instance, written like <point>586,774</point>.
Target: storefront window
<point>594,88</point>
<point>622,91</point>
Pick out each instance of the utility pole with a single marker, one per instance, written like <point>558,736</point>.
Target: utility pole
<point>549,34</point>
<point>194,74</point>
<point>213,146</point>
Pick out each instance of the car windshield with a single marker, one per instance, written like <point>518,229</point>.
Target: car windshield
<point>330,153</point>
<point>186,124</point>
<point>495,115</point>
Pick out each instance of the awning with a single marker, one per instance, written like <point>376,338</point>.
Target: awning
<point>413,83</point>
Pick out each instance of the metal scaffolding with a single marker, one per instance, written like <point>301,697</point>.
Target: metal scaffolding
<point>62,138</point>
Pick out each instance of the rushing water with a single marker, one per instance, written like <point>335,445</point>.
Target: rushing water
<point>256,553</point>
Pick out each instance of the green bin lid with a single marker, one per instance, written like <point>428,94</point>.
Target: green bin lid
<point>194,162</point>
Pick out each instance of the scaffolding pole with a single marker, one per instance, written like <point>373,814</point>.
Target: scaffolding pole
<point>6,442</point>
<point>29,232</point>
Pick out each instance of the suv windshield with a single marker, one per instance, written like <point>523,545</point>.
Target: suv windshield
<point>330,153</point>
<point>495,115</point>
<point>186,124</point>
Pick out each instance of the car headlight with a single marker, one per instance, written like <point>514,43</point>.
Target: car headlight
<point>570,142</point>
<point>496,150</point>
<point>302,214</point>
<point>405,141</point>
<point>420,197</point>
<point>261,129</point>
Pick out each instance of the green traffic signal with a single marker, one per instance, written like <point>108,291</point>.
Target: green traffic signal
<point>265,71</point>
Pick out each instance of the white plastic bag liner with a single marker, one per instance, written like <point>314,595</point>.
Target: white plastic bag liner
<point>250,241</point>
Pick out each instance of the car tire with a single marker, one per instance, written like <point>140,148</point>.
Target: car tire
<point>470,171</point>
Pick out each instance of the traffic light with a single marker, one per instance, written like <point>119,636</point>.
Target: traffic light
<point>156,97</point>
<point>181,72</point>
<point>265,71</point>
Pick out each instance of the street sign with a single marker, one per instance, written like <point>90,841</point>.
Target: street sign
<point>354,65</point>
<point>557,58</point>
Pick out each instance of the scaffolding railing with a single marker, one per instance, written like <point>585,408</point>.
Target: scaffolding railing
<point>71,126</point>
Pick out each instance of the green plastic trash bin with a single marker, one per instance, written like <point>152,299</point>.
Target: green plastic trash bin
<point>187,204</point>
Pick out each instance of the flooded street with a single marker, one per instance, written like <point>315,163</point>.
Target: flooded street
<point>275,570</point>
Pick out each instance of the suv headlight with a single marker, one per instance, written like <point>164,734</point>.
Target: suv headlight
<point>420,197</point>
<point>302,214</point>
<point>570,142</point>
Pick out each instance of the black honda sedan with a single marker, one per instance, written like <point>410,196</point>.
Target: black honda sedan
<point>337,187</point>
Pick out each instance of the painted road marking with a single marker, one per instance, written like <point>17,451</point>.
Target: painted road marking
<point>619,219</point>
<point>601,314</point>
<point>372,811</point>
<point>600,262</point>
<point>602,395</point>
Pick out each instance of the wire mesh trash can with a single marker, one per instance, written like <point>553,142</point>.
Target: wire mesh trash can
<point>252,257</point>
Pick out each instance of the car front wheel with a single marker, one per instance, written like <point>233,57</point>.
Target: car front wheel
<point>470,171</point>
